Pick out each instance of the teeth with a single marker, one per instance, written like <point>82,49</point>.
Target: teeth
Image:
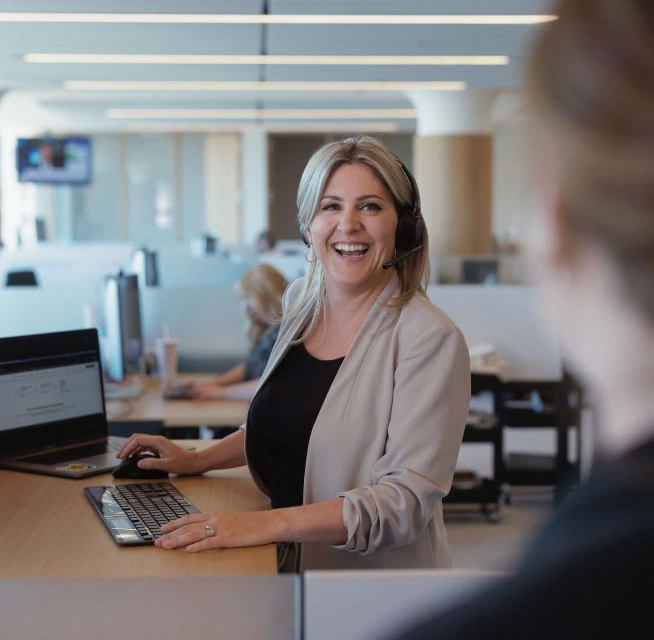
<point>350,247</point>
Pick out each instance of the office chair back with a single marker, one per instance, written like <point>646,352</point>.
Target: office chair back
<point>21,279</point>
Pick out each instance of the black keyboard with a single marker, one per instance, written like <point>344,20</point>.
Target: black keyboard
<point>134,513</point>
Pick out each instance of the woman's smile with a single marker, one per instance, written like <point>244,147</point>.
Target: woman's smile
<point>353,231</point>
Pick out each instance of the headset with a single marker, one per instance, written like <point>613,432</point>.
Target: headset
<point>410,225</point>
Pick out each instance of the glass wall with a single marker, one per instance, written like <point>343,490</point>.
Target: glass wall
<point>147,189</point>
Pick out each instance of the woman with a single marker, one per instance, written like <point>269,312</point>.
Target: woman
<point>356,425</point>
<point>261,290</point>
<point>590,571</point>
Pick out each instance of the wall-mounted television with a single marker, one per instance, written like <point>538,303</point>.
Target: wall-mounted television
<point>54,160</point>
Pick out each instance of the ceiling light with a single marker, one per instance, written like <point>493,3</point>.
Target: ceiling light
<point>217,18</point>
<point>275,127</point>
<point>128,58</point>
<point>251,114</point>
<point>209,85</point>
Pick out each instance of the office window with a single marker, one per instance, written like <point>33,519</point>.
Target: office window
<point>94,208</point>
<point>150,189</point>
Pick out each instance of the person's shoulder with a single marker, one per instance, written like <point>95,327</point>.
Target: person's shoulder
<point>294,289</point>
<point>419,312</point>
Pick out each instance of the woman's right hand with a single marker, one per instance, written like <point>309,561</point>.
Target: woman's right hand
<point>169,456</point>
<point>210,391</point>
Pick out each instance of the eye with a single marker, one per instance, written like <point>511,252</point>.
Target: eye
<point>370,206</point>
<point>330,206</point>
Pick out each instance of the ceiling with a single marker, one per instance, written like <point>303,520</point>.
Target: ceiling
<point>43,82</point>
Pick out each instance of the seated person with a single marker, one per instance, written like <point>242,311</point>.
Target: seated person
<point>590,572</point>
<point>355,429</point>
<point>261,290</point>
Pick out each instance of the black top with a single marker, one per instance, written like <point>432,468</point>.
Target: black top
<point>260,354</point>
<point>281,419</point>
<point>589,574</point>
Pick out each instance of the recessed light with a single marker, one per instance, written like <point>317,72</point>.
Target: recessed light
<point>128,58</point>
<point>272,127</point>
<point>250,114</point>
<point>209,85</point>
<point>217,18</point>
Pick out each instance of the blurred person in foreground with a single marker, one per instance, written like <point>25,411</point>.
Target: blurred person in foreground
<point>590,572</point>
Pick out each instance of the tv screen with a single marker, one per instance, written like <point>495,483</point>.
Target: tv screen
<point>54,160</point>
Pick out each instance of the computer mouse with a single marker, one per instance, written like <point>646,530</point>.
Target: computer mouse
<point>128,469</point>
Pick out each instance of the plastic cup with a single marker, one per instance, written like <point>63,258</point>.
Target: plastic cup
<point>167,357</point>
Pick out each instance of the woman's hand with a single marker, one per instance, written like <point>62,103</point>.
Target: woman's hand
<point>171,457</point>
<point>231,530</point>
<point>209,391</point>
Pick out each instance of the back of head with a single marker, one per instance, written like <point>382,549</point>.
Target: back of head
<point>266,286</point>
<point>592,86</point>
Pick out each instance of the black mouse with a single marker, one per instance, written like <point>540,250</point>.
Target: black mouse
<point>128,469</point>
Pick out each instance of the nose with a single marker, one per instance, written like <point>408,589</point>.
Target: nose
<point>350,220</point>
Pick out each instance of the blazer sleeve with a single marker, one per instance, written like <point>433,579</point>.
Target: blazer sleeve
<point>431,398</point>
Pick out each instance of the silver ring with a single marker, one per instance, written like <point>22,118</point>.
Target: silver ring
<point>210,531</point>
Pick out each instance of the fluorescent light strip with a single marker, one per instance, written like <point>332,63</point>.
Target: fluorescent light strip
<point>127,58</point>
<point>213,18</point>
<point>279,127</point>
<point>251,114</point>
<point>209,85</point>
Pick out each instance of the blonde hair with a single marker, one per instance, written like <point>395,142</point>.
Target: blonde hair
<point>413,272</point>
<point>266,286</point>
<point>592,85</point>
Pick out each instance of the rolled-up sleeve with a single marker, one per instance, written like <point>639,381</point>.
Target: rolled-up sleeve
<point>431,398</point>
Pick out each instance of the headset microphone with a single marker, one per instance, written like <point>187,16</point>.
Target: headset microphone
<point>392,263</point>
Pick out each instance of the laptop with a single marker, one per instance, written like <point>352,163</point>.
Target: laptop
<point>52,411</point>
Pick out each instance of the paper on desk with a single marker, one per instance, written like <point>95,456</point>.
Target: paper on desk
<point>486,359</point>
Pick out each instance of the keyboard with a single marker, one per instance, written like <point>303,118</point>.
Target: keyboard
<point>134,513</point>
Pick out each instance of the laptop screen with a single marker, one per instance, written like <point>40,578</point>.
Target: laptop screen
<point>50,391</point>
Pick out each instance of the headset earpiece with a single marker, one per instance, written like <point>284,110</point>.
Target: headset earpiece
<point>303,235</point>
<point>409,231</point>
<point>410,225</point>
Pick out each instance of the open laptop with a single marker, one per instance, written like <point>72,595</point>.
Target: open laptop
<point>52,411</point>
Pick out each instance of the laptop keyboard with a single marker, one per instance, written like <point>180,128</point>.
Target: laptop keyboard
<point>134,513</point>
<point>73,453</point>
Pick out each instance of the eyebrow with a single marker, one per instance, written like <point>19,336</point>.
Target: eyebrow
<point>366,197</point>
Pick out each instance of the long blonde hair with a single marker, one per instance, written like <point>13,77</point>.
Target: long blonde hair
<point>266,286</point>
<point>591,83</point>
<point>413,273</point>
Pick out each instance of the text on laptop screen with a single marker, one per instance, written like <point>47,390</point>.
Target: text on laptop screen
<point>42,391</point>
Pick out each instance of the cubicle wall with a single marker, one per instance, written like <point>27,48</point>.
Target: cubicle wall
<point>359,605</point>
<point>329,605</point>
<point>507,317</point>
<point>242,607</point>
<point>208,321</point>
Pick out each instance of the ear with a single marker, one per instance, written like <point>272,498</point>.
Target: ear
<point>307,233</point>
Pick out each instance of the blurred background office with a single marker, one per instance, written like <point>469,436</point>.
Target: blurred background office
<point>164,139</point>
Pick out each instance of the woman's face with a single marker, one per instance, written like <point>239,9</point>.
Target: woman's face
<point>353,231</point>
<point>252,308</point>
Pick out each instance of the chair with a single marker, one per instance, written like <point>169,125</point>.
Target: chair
<point>21,279</point>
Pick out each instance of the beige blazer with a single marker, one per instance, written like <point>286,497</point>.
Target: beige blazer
<point>387,437</point>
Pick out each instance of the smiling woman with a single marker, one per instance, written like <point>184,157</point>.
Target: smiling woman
<point>355,428</point>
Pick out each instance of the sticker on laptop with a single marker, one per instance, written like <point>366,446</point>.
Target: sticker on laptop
<point>76,468</point>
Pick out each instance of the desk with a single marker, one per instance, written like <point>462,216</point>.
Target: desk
<point>48,528</point>
<point>150,405</point>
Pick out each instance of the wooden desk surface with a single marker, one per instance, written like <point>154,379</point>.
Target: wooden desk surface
<point>48,528</point>
<point>151,405</point>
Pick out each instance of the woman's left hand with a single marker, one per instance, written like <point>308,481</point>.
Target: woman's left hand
<point>247,529</point>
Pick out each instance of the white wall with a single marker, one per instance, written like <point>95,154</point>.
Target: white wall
<point>254,184</point>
